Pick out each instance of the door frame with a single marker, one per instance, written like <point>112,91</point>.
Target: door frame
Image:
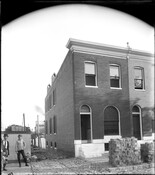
<point>140,120</point>
<point>91,129</point>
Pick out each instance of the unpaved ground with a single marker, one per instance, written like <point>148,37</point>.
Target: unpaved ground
<point>81,166</point>
<point>54,162</point>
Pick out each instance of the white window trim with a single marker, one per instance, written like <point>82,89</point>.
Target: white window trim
<point>120,79</point>
<point>115,88</point>
<point>91,125</point>
<point>91,86</point>
<point>140,90</point>
<point>96,85</point>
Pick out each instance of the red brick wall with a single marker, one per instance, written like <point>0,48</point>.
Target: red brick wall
<point>99,98</point>
<point>63,110</point>
<point>143,98</point>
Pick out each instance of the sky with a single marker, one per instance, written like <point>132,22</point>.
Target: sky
<point>34,47</point>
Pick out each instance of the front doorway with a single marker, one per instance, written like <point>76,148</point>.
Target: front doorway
<point>85,115</point>
<point>136,122</point>
<point>85,127</point>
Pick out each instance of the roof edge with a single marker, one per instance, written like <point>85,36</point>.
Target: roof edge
<point>72,44</point>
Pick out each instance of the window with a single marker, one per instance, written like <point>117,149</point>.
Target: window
<point>55,145</point>
<point>46,126</point>
<point>139,78</point>
<point>46,143</point>
<point>54,97</point>
<point>51,144</point>
<point>115,76</point>
<point>86,133</point>
<point>106,145</point>
<point>90,74</point>
<point>50,125</point>
<point>55,124</point>
<point>111,121</point>
<point>48,103</point>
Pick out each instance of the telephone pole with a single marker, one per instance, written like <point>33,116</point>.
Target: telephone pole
<point>38,130</point>
<point>24,121</point>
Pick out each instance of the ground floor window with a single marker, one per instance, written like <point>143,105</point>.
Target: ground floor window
<point>111,121</point>
<point>106,146</point>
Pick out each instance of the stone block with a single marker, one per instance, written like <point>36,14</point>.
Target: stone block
<point>147,152</point>
<point>124,151</point>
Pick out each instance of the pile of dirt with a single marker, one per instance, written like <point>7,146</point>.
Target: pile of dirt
<point>50,154</point>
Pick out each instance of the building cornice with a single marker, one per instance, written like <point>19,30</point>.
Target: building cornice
<point>107,50</point>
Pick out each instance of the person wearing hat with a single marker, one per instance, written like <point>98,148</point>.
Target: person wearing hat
<point>19,148</point>
<point>5,148</point>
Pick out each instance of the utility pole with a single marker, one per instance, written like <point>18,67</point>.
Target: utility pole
<point>38,130</point>
<point>24,121</point>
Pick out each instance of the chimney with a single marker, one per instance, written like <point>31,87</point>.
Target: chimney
<point>48,87</point>
<point>53,78</point>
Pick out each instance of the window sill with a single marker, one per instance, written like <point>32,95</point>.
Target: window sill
<point>115,88</point>
<point>91,86</point>
<point>112,135</point>
<point>142,90</point>
<point>86,141</point>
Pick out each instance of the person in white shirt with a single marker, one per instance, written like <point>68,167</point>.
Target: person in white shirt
<point>19,148</point>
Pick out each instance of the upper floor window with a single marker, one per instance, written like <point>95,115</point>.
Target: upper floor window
<point>50,123</point>
<point>46,127</point>
<point>54,97</point>
<point>115,78</point>
<point>138,78</point>
<point>48,103</point>
<point>90,74</point>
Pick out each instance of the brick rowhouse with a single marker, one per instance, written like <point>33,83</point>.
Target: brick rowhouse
<point>100,92</point>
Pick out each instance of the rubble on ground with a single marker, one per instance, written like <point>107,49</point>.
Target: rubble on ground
<point>43,154</point>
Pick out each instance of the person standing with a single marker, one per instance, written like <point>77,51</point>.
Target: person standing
<point>19,148</point>
<point>5,148</point>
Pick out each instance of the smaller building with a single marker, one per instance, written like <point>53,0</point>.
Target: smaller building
<point>16,128</point>
<point>38,137</point>
<point>13,131</point>
<point>40,128</point>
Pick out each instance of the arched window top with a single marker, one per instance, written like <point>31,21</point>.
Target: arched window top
<point>111,114</point>
<point>135,109</point>
<point>85,109</point>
